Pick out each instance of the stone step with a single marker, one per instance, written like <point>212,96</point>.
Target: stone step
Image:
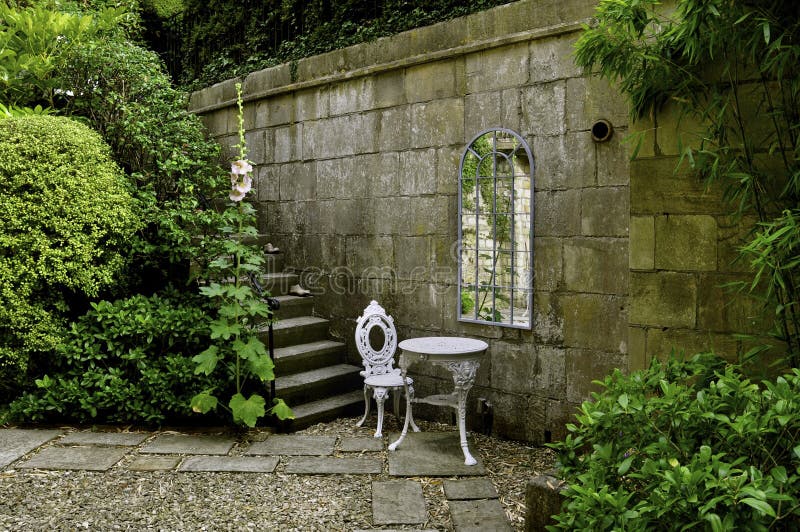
<point>294,307</point>
<point>307,386</point>
<point>299,330</point>
<point>278,284</point>
<point>304,357</point>
<point>329,408</point>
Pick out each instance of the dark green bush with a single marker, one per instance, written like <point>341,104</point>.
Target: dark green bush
<point>129,361</point>
<point>685,445</point>
<point>67,217</point>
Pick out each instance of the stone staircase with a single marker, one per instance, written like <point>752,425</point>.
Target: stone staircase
<point>311,375</point>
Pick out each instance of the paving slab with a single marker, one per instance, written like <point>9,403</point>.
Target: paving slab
<point>478,516</point>
<point>188,444</point>
<point>326,465</point>
<point>398,502</point>
<point>154,463</point>
<point>16,443</point>
<point>469,488</point>
<point>360,445</point>
<point>431,454</point>
<point>104,438</point>
<point>78,458</point>
<point>230,464</point>
<point>294,445</point>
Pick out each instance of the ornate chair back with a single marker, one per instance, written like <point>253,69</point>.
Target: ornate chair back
<point>376,361</point>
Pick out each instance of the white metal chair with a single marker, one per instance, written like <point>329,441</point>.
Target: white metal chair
<point>379,373</point>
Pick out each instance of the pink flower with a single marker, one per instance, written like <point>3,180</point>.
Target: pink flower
<point>244,185</point>
<point>235,195</point>
<point>241,167</point>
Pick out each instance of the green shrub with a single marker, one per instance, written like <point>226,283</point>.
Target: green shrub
<point>129,361</point>
<point>685,445</point>
<point>122,90</point>
<point>67,214</point>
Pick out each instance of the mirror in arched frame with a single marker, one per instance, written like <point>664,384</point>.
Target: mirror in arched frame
<point>495,232</point>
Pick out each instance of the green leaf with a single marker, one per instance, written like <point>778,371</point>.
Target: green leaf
<point>262,367</point>
<point>206,361</point>
<point>623,400</point>
<point>253,349</point>
<point>625,465</point>
<point>212,290</point>
<point>281,409</point>
<point>203,402</point>
<point>761,506</point>
<point>247,411</point>
<point>223,329</point>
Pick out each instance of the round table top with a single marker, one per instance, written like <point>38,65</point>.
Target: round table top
<point>444,345</point>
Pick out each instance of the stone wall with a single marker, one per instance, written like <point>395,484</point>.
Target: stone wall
<point>683,250</point>
<point>357,153</point>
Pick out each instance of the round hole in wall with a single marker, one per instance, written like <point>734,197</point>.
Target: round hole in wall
<point>602,130</point>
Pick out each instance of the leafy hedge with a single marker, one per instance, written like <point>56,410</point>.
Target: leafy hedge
<point>685,445</point>
<point>220,39</point>
<point>67,217</point>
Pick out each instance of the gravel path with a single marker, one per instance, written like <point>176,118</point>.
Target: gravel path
<point>120,499</point>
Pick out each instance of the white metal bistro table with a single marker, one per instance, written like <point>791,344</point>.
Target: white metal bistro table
<point>459,355</point>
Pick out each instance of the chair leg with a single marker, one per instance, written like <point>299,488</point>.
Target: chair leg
<point>366,406</point>
<point>380,397</point>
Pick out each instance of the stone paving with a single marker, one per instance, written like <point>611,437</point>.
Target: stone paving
<point>472,501</point>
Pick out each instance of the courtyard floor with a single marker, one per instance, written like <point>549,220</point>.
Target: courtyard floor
<point>331,476</point>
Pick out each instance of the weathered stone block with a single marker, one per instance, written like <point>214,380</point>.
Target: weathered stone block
<point>213,95</point>
<point>381,170</point>
<point>637,351</point>
<point>216,122</point>
<point>275,111</point>
<point>548,318</point>
<point>497,68</point>
<point>311,104</point>
<point>724,310</point>
<point>596,265</point>
<point>585,366</point>
<point>417,172</point>
<point>551,59</point>
<point>595,321</point>
<point>398,502</point>
<point>661,342</point>
<point>447,165</point>
<point>430,81</point>
<point>542,499</point>
<point>482,111</point>
<point>544,108</point>
<point>288,143</point>
<point>657,188</point>
<point>256,146</point>
<point>351,96</point>
<point>408,215</point>
<point>548,264</point>
<point>642,243</point>
<point>592,98</point>
<point>370,256</point>
<point>549,372</point>
<point>605,211</point>
<point>437,123</point>
<point>412,257</point>
<point>340,136</point>
<point>511,109</point>
<point>676,132</point>
<point>266,79</point>
<point>389,88</point>
<point>298,182</point>
<point>686,242</point>
<point>557,213</point>
<point>563,161</point>
<point>663,299</point>
<point>512,367</point>
<point>613,160</point>
<point>395,130</point>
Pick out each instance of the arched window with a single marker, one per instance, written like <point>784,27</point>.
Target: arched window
<point>495,232</point>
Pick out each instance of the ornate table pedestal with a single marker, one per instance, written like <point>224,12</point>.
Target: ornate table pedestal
<point>459,355</point>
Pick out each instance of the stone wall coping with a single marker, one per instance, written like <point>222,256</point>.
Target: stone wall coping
<point>224,95</point>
